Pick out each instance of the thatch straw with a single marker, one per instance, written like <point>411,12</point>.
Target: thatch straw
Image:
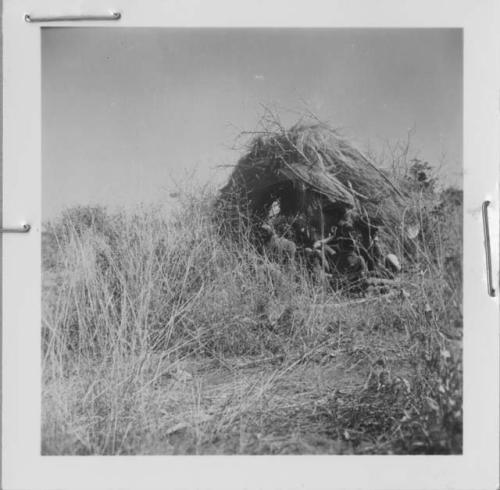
<point>312,161</point>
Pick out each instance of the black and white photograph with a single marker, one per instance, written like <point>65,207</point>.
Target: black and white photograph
<point>252,241</point>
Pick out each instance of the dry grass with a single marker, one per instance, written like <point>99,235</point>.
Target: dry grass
<point>159,338</point>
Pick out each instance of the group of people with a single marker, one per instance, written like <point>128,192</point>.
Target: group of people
<point>345,255</point>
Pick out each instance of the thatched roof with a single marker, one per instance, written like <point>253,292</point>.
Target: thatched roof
<point>312,159</point>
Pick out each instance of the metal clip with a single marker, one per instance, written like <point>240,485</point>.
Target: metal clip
<point>73,18</point>
<point>24,229</point>
<point>487,246</point>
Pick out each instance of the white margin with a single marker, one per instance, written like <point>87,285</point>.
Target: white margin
<point>24,468</point>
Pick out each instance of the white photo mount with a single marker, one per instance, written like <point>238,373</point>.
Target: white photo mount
<point>22,464</point>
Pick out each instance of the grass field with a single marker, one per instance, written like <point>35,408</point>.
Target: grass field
<point>159,337</point>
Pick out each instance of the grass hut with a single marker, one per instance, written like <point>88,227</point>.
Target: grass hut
<point>315,181</point>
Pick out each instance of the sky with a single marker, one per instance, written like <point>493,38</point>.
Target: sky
<point>129,114</point>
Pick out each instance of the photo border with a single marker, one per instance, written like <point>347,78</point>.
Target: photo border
<point>24,467</point>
